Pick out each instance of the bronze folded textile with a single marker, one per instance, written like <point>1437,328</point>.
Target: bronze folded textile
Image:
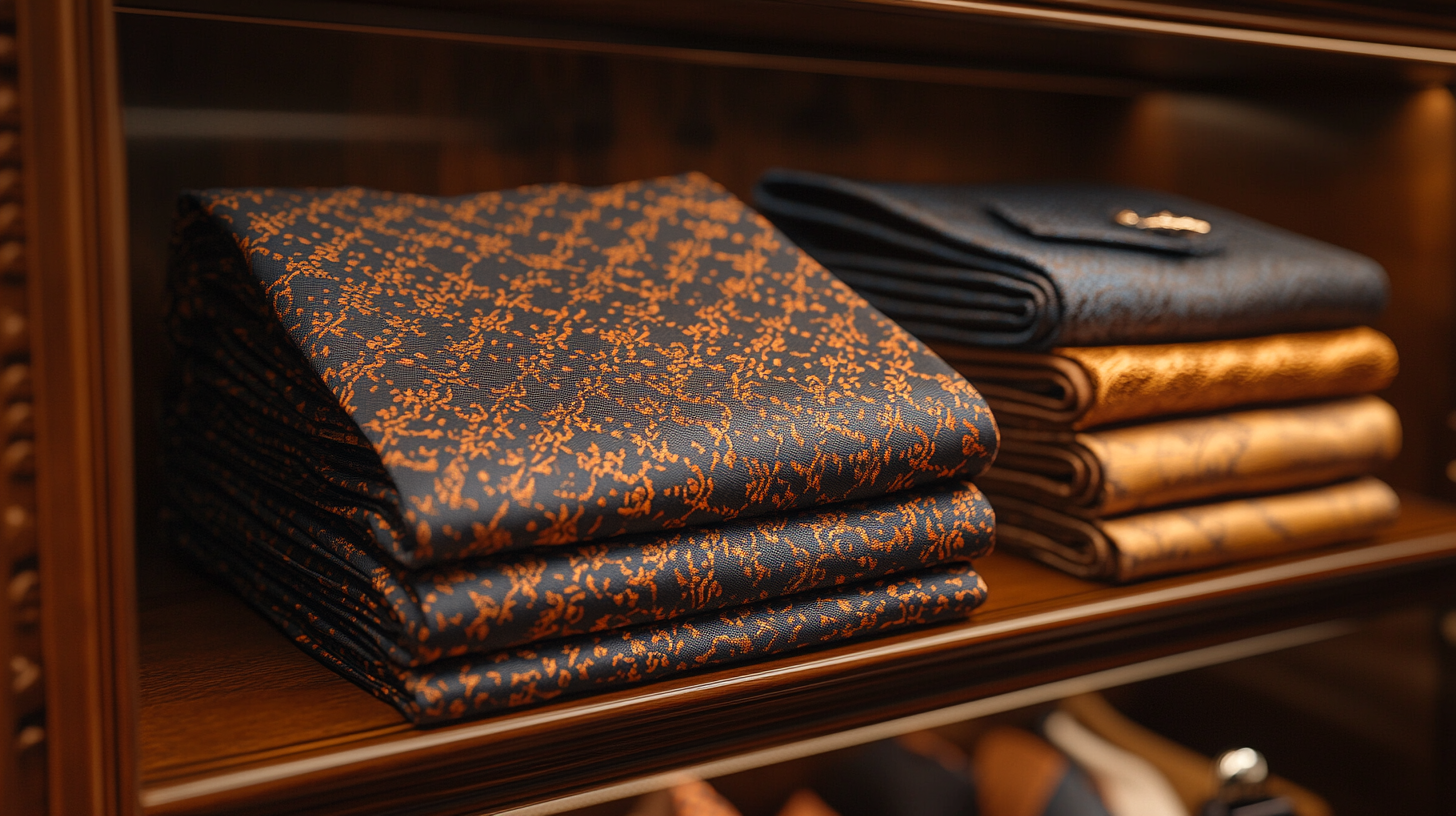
<point>1193,537</point>
<point>1085,387</point>
<point>553,365</point>
<point>1112,471</point>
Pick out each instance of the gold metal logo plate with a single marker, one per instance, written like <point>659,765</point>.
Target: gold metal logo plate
<point>1162,221</point>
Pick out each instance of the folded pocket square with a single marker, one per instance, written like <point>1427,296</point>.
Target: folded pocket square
<point>1039,265</point>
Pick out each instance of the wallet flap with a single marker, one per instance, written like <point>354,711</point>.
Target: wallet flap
<point>1135,219</point>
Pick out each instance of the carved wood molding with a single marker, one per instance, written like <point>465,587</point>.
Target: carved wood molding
<point>73,312</point>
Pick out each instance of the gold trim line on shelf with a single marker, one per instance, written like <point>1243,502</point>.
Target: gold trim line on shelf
<point>1253,36</point>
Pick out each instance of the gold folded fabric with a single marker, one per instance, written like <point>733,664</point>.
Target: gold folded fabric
<point>1118,470</point>
<point>1193,537</point>
<point>1085,387</point>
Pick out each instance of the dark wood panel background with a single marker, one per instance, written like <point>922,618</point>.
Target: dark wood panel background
<point>211,103</point>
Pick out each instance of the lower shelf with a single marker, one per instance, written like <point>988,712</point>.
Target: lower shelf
<point>235,719</point>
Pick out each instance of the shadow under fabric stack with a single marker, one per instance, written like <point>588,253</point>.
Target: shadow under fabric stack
<point>1177,386</point>
<point>486,451</point>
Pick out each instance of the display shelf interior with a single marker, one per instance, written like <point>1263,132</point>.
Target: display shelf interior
<point>234,718</point>
<point>1026,45</point>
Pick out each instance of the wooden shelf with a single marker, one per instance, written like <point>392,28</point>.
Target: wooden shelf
<point>1112,47</point>
<point>235,719</point>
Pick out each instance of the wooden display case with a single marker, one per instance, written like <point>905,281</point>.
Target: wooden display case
<point>162,694</point>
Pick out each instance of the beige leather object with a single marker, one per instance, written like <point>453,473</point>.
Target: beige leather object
<point>1189,772</point>
<point>805,802</point>
<point>1075,388</point>
<point>698,798</point>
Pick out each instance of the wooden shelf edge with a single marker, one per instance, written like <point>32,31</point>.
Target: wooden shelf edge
<point>1077,630</point>
<point>1395,40</point>
<point>1010,701</point>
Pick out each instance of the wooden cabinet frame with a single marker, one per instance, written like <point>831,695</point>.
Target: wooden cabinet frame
<point>80,333</point>
<point>76,223</point>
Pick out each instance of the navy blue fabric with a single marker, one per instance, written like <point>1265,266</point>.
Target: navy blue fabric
<point>1032,266</point>
<point>1075,796</point>
<point>886,779</point>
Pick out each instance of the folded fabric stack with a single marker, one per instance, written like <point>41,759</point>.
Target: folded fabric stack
<point>486,451</point>
<point>1177,386</point>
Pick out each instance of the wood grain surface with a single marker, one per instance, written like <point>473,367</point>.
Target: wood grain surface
<point>78,315</point>
<point>235,719</point>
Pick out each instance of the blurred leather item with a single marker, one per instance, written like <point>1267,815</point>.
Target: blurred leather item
<point>1032,266</point>
<point>1129,784</point>
<point>1118,470</point>
<point>1193,537</point>
<point>1189,772</point>
<point>698,798</point>
<point>888,778</point>
<point>805,802</point>
<point>1076,388</point>
<point>1021,774</point>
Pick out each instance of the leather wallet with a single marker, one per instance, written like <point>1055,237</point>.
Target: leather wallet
<point>1090,386</point>
<point>1034,266</point>
<point>1118,470</point>
<point>1193,537</point>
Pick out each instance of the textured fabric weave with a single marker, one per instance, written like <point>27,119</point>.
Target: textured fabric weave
<point>1182,539</point>
<point>1091,386</point>
<point>418,616</point>
<point>555,365</point>
<point>1035,266</point>
<point>473,685</point>
<point>488,451</point>
<point>1111,471</point>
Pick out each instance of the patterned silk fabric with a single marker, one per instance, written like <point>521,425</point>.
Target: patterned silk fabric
<point>555,365</point>
<point>1033,266</point>
<point>1117,470</point>
<point>471,685</point>
<point>1192,537</point>
<point>1090,386</point>
<point>492,450</point>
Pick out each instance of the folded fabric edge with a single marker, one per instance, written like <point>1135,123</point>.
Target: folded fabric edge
<point>1156,543</point>
<point>1181,460</point>
<point>437,693</point>
<point>840,546</point>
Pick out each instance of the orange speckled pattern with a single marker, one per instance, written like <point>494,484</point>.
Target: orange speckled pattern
<point>489,451</point>
<point>554,365</point>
